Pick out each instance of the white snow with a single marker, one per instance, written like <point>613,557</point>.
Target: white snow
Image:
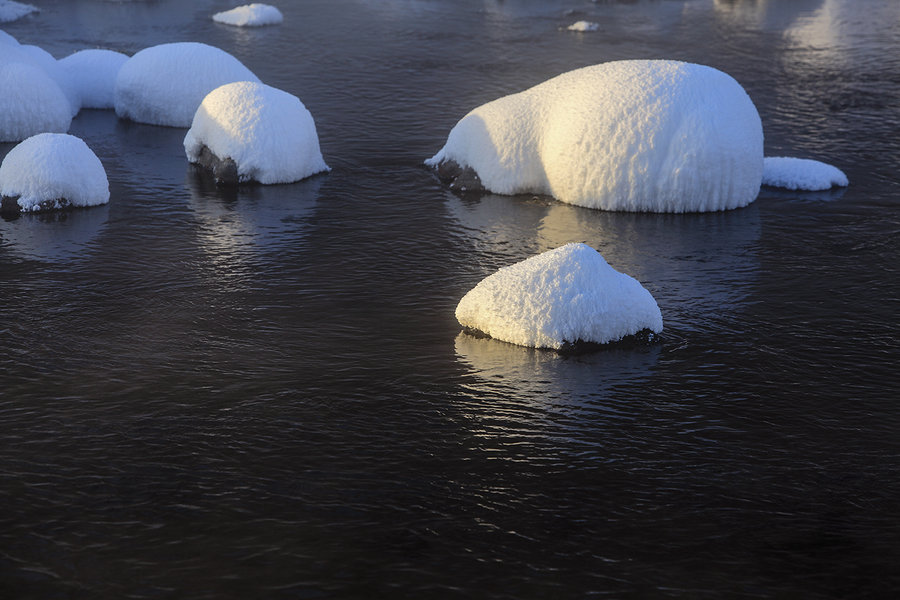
<point>90,76</point>
<point>10,11</point>
<point>801,174</point>
<point>50,167</point>
<point>250,15</point>
<point>583,26</point>
<point>7,40</point>
<point>563,295</point>
<point>165,84</point>
<point>31,102</point>
<point>43,59</point>
<point>639,135</point>
<point>267,132</point>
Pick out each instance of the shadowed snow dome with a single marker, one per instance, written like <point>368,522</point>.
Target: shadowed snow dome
<point>562,296</point>
<point>639,135</point>
<point>31,102</point>
<point>52,170</point>
<point>164,85</point>
<point>268,133</point>
<point>90,76</point>
<point>250,15</point>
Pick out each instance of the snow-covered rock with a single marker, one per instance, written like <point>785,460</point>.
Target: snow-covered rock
<point>801,174</point>
<point>7,40</point>
<point>31,102</point>
<point>165,84</point>
<point>640,135</point>
<point>583,26</point>
<point>11,11</point>
<point>49,171</point>
<point>560,297</point>
<point>250,15</point>
<point>43,59</point>
<point>267,133</point>
<point>90,76</point>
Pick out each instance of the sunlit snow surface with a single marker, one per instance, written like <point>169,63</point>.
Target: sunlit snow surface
<point>11,11</point>
<point>801,174</point>
<point>90,76</point>
<point>53,170</point>
<point>561,296</point>
<point>165,84</point>
<point>583,26</point>
<point>641,135</point>
<point>268,133</point>
<point>250,15</point>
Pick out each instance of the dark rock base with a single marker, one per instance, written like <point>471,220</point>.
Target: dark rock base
<point>460,179</point>
<point>9,205</point>
<point>224,170</point>
<point>642,338</point>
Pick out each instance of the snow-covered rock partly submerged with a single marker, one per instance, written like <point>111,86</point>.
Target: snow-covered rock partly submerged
<point>12,11</point>
<point>90,76</point>
<point>248,131</point>
<point>165,84</point>
<point>567,299</point>
<point>250,15</point>
<point>638,135</point>
<point>32,101</point>
<point>583,26</point>
<point>801,174</point>
<point>51,171</point>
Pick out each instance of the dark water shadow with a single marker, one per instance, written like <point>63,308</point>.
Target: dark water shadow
<point>54,236</point>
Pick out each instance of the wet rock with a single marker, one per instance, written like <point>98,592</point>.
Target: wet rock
<point>460,179</point>
<point>224,170</point>
<point>9,205</point>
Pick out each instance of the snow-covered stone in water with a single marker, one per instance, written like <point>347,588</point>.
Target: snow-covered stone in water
<point>267,135</point>
<point>801,174</point>
<point>250,15</point>
<point>165,84</point>
<point>11,11</point>
<point>641,135</point>
<point>40,57</point>
<point>90,76</point>
<point>561,297</point>
<point>31,102</point>
<point>49,171</point>
<point>583,26</point>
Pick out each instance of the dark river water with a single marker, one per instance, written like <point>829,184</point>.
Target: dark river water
<point>265,394</point>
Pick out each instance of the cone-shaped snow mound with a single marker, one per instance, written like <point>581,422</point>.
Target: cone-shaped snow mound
<point>267,133</point>
<point>165,84</point>
<point>90,76</point>
<point>641,135</point>
<point>801,174</point>
<point>250,15</point>
<point>560,297</point>
<point>31,102</point>
<point>52,170</point>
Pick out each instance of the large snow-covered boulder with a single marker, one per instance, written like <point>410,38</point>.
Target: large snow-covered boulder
<point>31,102</point>
<point>250,15</point>
<point>638,135</point>
<point>561,297</point>
<point>165,84</point>
<point>801,174</point>
<point>248,131</point>
<point>90,76</point>
<point>49,171</point>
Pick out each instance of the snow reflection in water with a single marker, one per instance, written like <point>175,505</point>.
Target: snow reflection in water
<point>55,236</point>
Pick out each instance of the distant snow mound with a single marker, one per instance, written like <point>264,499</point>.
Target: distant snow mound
<point>165,84</point>
<point>560,297</point>
<point>640,135</point>
<point>11,11</point>
<point>268,134</point>
<point>801,174</point>
<point>90,76</point>
<point>250,15</point>
<point>52,170</point>
<point>583,26</point>
<point>31,102</point>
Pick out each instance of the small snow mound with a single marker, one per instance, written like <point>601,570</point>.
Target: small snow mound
<point>583,26</point>
<point>31,102</point>
<point>250,15</point>
<point>165,84</point>
<point>634,135</point>
<point>801,174</point>
<point>11,11</point>
<point>53,170</point>
<point>268,133</point>
<point>560,297</point>
<point>90,76</point>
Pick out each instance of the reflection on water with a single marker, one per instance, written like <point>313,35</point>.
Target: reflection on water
<point>56,236</point>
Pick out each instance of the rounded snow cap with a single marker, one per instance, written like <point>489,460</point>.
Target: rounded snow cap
<point>268,133</point>
<point>91,76</point>
<point>801,174</point>
<point>165,84</point>
<point>560,297</point>
<point>31,102</point>
<point>52,170</point>
<point>250,15</point>
<point>634,135</point>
